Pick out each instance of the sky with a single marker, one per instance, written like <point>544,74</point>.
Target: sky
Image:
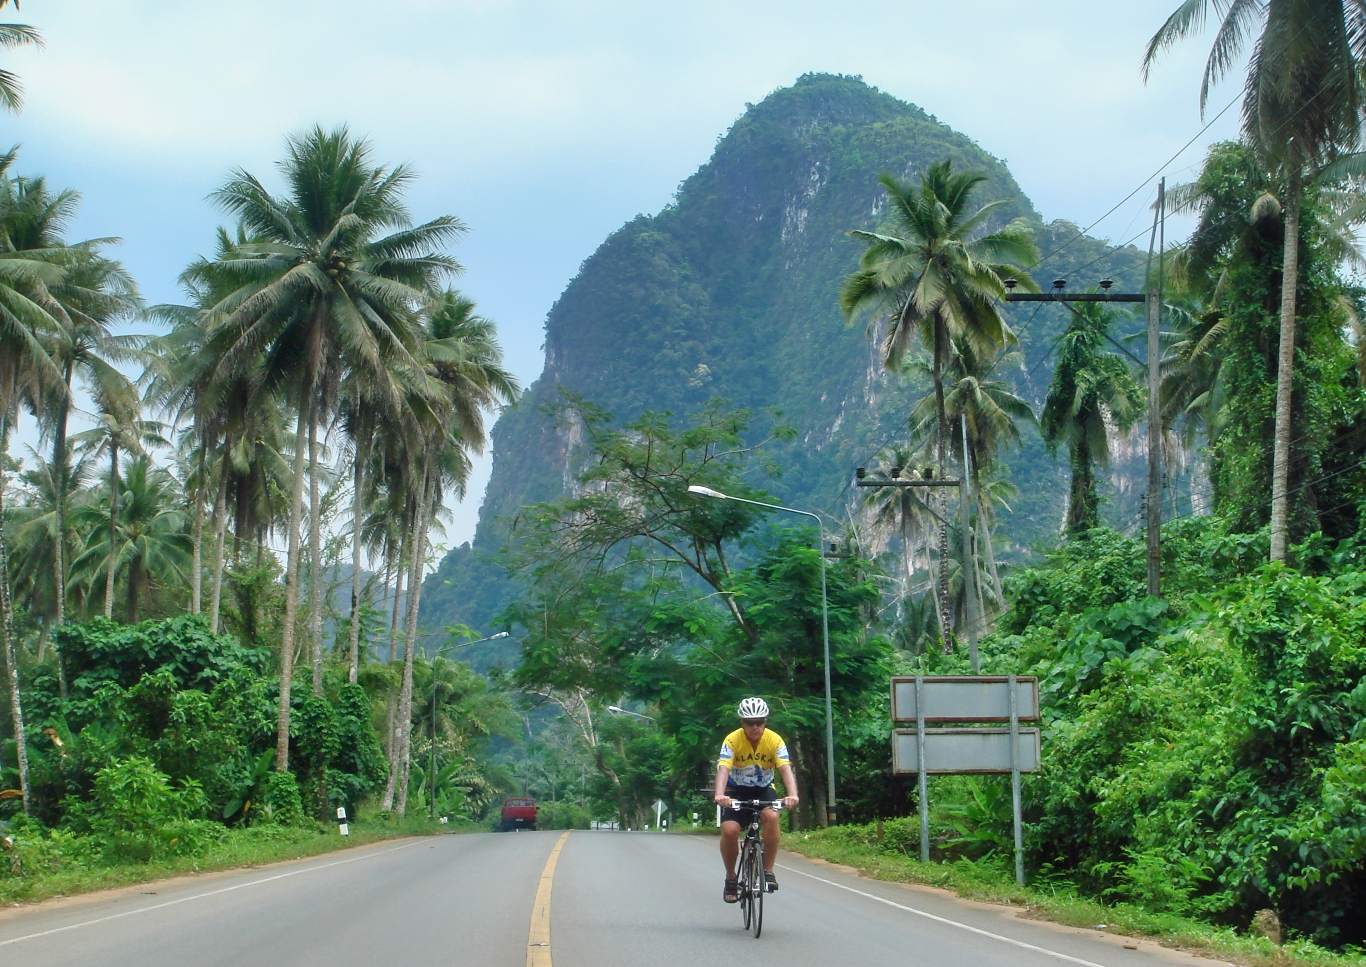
<point>546,126</point>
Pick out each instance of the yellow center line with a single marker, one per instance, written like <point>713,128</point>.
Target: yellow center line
<point>538,938</point>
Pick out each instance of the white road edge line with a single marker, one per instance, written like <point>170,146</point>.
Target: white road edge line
<point>945,920</point>
<point>201,896</point>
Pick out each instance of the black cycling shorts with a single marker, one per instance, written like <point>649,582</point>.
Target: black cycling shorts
<point>741,816</point>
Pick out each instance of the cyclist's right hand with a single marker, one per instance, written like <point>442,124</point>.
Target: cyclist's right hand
<point>723,801</point>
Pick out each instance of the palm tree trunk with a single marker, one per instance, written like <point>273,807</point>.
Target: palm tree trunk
<point>405,705</point>
<point>113,531</point>
<point>398,595</point>
<point>395,738</point>
<point>59,541</point>
<point>1285,373</point>
<point>315,558</point>
<point>296,501</point>
<point>220,535</point>
<point>1081,498</point>
<point>197,538</point>
<point>907,551</point>
<point>988,550</point>
<point>941,430</point>
<point>7,631</point>
<point>134,579</point>
<point>357,488</point>
<point>59,545</point>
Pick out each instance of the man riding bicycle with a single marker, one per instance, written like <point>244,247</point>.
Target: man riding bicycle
<point>744,770</point>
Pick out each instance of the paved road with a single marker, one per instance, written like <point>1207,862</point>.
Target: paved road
<point>616,900</point>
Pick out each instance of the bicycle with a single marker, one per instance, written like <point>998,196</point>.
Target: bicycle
<point>750,871</point>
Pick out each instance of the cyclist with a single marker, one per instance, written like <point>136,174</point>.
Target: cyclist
<point>744,770</point>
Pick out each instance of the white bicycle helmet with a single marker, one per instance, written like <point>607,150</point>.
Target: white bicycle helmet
<point>753,708</point>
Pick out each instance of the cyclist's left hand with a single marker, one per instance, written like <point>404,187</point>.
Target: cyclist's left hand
<point>790,802</point>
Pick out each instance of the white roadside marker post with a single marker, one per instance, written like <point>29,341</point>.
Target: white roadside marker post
<point>342,827</point>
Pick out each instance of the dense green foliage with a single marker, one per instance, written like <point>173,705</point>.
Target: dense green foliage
<point>1203,753</point>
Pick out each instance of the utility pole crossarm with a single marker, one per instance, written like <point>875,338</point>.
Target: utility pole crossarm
<point>1075,297</point>
<point>898,482</point>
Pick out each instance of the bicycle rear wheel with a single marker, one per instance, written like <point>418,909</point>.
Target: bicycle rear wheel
<point>760,887</point>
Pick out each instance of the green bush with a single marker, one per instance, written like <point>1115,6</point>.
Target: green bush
<point>280,801</point>
<point>137,816</point>
<point>563,815</point>
<point>1201,755</point>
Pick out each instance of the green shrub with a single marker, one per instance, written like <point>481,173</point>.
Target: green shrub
<point>137,816</point>
<point>280,801</point>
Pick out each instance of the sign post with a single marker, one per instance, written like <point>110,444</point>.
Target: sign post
<point>921,781</point>
<point>1012,750</point>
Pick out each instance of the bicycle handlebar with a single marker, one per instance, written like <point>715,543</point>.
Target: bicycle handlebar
<point>775,804</point>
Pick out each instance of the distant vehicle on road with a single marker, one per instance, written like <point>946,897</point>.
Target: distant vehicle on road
<point>519,812</point>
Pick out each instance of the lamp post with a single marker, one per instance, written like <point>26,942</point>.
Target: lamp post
<point>431,775</point>
<point>830,810</point>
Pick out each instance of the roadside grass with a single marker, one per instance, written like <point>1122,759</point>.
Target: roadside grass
<point>1057,901</point>
<point>29,874</point>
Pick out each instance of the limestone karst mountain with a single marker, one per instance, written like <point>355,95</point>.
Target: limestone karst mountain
<point>731,291</point>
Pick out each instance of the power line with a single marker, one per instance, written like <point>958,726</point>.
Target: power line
<point>1144,183</point>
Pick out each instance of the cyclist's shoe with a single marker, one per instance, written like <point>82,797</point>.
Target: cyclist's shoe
<point>731,894</point>
<point>771,881</point>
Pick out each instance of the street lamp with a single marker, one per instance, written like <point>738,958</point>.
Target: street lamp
<point>825,634</point>
<point>618,710</point>
<point>431,776</point>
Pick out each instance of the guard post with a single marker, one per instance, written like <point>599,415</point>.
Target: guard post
<point>973,751</point>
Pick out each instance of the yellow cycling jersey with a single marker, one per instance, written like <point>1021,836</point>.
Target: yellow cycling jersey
<point>752,765</point>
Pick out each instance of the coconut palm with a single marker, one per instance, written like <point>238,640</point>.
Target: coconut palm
<point>938,272</point>
<point>94,292</point>
<point>27,375</point>
<point>1091,389</point>
<point>941,272</point>
<point>14,35</point>
<point>991,414</point>
<point>144,535</point>
<point>319,295</point>
<point>41,534</point>
<point>118,428</point>
<point>1301,112</point>
<point>465,363</point>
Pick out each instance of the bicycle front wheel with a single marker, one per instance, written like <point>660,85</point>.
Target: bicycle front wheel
<point>759,889</point>
<point>746,895</point>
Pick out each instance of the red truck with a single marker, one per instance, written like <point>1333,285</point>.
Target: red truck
<point>519,812</point>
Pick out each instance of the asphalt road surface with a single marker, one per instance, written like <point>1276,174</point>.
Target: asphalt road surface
<point>601,899</point>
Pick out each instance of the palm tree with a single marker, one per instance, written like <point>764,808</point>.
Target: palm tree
<point>93,292</point>
<point>1301,111</point>
<point>941,274</point>
<point>145,537</point>
<point>118,427</point>
<point>991,414</point>
<point>466,364</point>
<point>14,35</point>
<point>42,533</point>
<point>27,374</point>
<point>322,296</point>
<point>1091,388</point>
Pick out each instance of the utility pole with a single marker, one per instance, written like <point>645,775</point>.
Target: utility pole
<point>1154,527</point>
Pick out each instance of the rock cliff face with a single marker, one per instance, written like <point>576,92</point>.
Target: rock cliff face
<point>731,291</point>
